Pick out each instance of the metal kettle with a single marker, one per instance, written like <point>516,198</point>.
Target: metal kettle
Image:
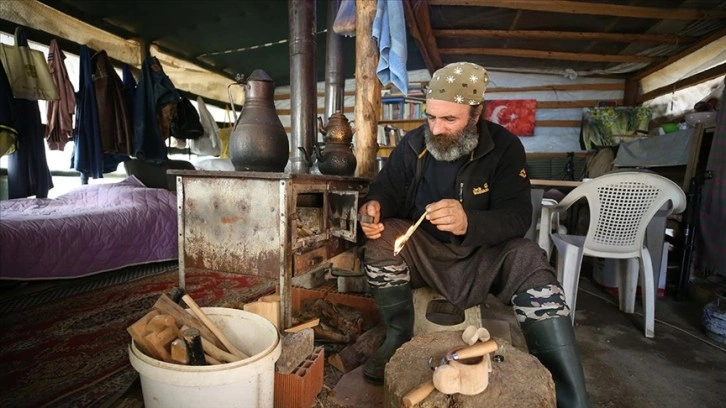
<point>258,141</point>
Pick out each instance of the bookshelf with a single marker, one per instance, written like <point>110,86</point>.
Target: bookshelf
<point>399,114</point>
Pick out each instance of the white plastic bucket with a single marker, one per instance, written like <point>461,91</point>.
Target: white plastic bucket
<point>245,383</point>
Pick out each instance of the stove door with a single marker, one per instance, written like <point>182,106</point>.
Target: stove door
<point>342,214</point>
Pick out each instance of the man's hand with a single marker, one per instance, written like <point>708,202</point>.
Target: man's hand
<point>372,230</point>
<point>448,215</point>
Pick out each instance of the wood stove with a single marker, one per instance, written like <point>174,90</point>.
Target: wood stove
<point>272,225</point>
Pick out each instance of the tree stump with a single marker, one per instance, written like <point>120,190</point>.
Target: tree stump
<point>520,380</point>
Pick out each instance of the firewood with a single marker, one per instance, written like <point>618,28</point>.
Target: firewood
<point>165,305</point>
<point>211,360</point>
<point>179,351</point>
<point>160,322</point>
<point>138,331</point>
<point>301,326</point>
<point>217,353</point>
<point>212,327</point>
<point>357,353</point>
<point>159,341</point>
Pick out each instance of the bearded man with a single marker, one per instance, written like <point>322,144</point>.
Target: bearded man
<point>469,176</point>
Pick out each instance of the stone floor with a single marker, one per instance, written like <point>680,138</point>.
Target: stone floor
<point>680,367</point>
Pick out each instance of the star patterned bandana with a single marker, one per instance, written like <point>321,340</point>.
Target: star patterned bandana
<point>460,82</point>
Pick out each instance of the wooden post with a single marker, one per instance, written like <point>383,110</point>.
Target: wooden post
<point>367,90</point>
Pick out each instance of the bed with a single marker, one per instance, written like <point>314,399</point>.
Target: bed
<point>92,229</point>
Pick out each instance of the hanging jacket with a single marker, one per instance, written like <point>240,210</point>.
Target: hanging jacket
<point>87,152</point>
<point>113,118</point>
<point>8,133</point>
<point>59,117</point>
<point>154,92</point>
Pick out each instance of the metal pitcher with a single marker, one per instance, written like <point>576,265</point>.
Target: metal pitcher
<point>258,141</point>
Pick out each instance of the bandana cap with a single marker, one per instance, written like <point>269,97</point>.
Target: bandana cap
<point>460,82</point>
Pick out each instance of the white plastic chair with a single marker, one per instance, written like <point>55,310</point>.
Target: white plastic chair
<point>621,206</point>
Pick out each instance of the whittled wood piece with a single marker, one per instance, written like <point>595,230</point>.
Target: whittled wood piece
<point>195,352</point>
<point>212,327</point>
<point>165,305</point>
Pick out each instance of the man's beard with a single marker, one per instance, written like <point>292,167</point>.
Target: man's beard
<point>448,147</point>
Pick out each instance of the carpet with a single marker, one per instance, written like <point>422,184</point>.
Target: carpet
<point>72,351</point>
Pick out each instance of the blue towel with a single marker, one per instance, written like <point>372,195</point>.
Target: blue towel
<point>389,30</point>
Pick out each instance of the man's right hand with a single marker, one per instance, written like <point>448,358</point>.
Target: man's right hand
<point>373,229</point>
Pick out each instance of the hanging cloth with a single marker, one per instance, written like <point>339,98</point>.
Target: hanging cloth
<point>87,152</point>
<point>115,128</point>
<point>60,112</point>
<point>152,116</point>
<point>711,229</point>
<point>389,30</point>
<point>8,133</point>
<point>129,93</point>
<point>28,172</point>
<point>209,144</point>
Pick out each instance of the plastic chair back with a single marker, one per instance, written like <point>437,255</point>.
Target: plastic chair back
<point>621,206</point>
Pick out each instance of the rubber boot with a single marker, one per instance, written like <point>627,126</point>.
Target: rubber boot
<point>395,304</point>
<point>552,341</point>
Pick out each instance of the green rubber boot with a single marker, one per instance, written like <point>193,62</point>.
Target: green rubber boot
<point>395,304</point>
<point>552,341</point>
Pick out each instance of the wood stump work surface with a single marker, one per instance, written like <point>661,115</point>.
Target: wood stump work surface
<point>518,381</point>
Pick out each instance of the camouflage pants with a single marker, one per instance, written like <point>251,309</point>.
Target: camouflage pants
<point>540,303</point>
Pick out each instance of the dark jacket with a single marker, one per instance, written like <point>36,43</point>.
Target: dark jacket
<point>493,185</point>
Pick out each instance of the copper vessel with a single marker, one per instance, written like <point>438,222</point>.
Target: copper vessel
<point>258,141</point>
<point>335,156</point>
<point>338,129</point>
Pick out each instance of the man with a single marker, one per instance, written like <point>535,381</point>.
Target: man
<point>469,176</point>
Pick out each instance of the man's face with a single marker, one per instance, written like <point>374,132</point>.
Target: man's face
<point>450,131</point>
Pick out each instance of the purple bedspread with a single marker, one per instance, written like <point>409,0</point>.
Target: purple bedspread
<point>92,229</point>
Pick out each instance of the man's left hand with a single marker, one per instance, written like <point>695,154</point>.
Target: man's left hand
<point>448,215</point>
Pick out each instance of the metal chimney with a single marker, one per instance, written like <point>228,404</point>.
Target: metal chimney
<point>303,92</point>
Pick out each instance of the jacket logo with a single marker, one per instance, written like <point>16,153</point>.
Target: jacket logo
<point>523,173</point>
<point>481,190</point>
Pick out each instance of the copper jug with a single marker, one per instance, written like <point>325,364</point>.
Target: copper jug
<point>258,141</point>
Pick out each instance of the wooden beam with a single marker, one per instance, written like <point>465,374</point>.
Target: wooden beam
<point>552,55</point>
<point>419,25</point>
<point>39,16</point>
<point>583,103</point>
<point>558,123</point>
<point>560,87</point>
<point>583,7</point>
<point>696,79</point>
<point>367,90</point>
<point>676,57</point>
<point>564,35</point>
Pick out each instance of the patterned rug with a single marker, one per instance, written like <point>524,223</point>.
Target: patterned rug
<point>72,351</point>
